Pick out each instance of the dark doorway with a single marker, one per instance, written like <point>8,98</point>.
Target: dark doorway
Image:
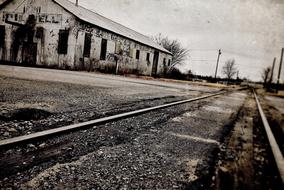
<point>29,53</point>
<point>2,36</point>
<point>103,49</point>
<point>87,45</point>
<point>155,63</point>
<point>63,41</point>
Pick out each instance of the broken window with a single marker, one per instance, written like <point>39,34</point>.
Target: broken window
<point>103,49</point>
<point>126,49</point>
<point>63,41</point>
<point>148,57</point>
<point>137,54</point>
<point>169,62</point>
<point>2,35</point>
<point>87,45</point>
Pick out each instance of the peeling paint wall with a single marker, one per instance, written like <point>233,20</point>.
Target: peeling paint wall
<point>38,44</point>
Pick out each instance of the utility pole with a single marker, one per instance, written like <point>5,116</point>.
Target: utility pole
<point>219,53</point>
<point>237,75</point>
<point>272,69</point>
<point>279,71</point>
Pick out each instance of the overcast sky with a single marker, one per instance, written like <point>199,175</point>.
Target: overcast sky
<point>250,31</point>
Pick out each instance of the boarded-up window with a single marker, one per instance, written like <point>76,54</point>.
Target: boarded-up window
<point>118,49</point>
<point>169,62</point>
<point>2,35</point>
<point>131,53</point>
<point>137,54</point>
<point>39,32</point>
<point>148,57</point>
<point>87,45</point>
<point>63,41</point>
<point>103,49</point>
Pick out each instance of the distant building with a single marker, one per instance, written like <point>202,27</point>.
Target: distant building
<point>60,34</point>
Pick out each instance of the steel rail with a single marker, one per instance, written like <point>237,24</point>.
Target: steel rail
<point>49,132</point>
<point>272,142</point>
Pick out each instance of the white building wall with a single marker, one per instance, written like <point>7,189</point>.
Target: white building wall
<point>47,52</point>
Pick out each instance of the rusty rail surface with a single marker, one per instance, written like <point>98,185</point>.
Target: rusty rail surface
<point>50,132</point>
<point>272,142</point>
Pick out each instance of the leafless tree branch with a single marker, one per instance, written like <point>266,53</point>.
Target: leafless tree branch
<point>174,46</point>
<point>265,75</point>
<point>229,69</point>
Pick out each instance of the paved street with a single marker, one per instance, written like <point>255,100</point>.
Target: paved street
<point>36,99</point>
<point>91,79</point>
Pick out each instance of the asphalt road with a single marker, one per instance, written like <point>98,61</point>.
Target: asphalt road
<point>33,99</point>
<point>93,79</point>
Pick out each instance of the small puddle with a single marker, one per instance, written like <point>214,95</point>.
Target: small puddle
<point>25,114</point>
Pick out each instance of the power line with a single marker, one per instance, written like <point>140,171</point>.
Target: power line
<point>203,49</point>
<point>201,60</point>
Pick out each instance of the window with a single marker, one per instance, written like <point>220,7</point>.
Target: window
<point>38,9</point>
<point>2,35</point>
<point>39,32</point>
<point>118,49</point>
<point>103,49</point>
<point>87,45</point>
<point>126,49</point>
<point>169,62</point>
<point>148,57</point>
<point>164,61</point>
<point>63,41</point>
<point>137,54</point>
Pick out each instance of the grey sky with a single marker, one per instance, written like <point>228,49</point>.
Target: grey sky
<point>250,31</point>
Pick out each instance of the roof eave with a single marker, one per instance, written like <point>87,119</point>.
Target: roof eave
<point>165,51</point>
<point>2,5</point>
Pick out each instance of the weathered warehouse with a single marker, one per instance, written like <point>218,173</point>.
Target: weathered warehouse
<point>61,34</point>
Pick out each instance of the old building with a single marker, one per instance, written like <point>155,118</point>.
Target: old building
<point>61,34</point>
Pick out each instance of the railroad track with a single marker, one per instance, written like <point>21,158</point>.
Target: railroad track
<point>31,154</point>
<point>277,154</point>
<point>61,130</point>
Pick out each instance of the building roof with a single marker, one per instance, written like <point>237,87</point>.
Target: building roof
<point>107,24</point>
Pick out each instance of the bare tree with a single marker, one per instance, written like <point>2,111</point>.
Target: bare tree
<point>174,46</point>
<point>265,75</point>
<point>229,69</point>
